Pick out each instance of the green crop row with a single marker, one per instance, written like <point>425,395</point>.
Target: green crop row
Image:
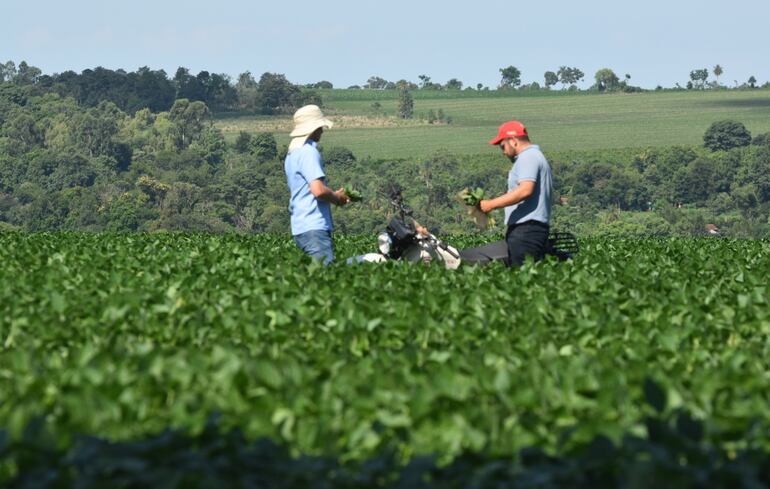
<point>121,336</point>
<point>671,454</point>
<point>558,121</point>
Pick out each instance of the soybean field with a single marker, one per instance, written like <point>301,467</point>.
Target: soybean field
<point>121,336</point>
<point>367,122</point>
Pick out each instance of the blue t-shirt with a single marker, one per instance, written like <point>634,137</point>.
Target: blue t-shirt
<point>530,165</point>
<point>302,166</point>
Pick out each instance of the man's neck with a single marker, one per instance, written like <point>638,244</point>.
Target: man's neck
<point>523,148</point>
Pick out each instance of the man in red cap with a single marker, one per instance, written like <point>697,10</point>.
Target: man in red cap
<point>527,202</point>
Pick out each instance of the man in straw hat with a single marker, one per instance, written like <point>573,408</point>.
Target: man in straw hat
<point>310,201</point>
<point>527,202</point>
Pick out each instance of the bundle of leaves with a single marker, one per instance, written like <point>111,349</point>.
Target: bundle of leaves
<point>353,195</point>
<point>473,197</point>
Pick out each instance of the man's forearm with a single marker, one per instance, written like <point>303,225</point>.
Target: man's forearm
<point>513,197</point>
<point>321,192</point>
<point>328,195</point>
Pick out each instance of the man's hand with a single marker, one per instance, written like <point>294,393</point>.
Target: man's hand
<point>421,230</point>
<point>321,192</point>
<point>523,191</point>
<point>341,198</point>
<point>486,206</point>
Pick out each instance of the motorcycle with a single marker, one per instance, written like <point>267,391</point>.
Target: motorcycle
<point>405,240</point>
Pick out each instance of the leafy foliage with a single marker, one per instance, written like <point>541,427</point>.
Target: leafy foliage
<point>405,104</point>
<point>121,336</point>
<point>473,197</point>
<point>727,134</point>
<point>672,453</point>
<point>68,167</point>
<point>510,77</point>
<point>353,195</point>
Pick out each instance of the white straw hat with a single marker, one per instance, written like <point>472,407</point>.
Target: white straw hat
<point>306,120</point>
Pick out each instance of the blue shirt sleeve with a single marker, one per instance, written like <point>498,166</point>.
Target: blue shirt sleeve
<point>528,168</point>
<point>310,165</point>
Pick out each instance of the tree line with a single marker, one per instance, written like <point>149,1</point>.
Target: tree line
<point>605,80</point>
<point>273,93</point>
<point>151,89</point>
<point>69,166</point>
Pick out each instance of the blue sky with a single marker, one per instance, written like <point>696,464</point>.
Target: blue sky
<point>345,42</point>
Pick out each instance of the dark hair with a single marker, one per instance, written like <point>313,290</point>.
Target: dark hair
<point>316,135</point>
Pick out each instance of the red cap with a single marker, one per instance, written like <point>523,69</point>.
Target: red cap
<point>509,129</point>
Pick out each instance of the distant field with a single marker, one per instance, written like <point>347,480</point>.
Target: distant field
<point>557,121</point>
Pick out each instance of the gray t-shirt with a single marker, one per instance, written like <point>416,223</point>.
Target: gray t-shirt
<point>531,165</point>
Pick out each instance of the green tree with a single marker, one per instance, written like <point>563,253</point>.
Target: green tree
<point>569,76</point>
<point>405,104</point>
<point>376,83</point>
<point>264,147</point>
<point>752,81</point>
<point>606,80</point>
<point>146,89</point>
<point>7,71</point>
<point>131,92</point>
<point>220,94</point>
<point>277,94</point>
<point>699,77</point>
<point>21,127</point>
<point>726,134</point>
<point>406,84</point>
<point>124,212</point>
<point>532,86</point>
<point>28,192</point>
<point>754,168</point>
<point>72,170</point>
<point>511,77</point>
<point>188,86</point>
<point>718,72</point>
<point>48,213</point>
<point>26,74</point>
<point>454,84</point>
<point>762,139</point>
<point>339,157</point>
<point>745,197</point>
<point>695,183</point>
<point>94,129</point>
<point>242,142</point>
<point>188,119</point>
<point>551,79</point>
<point>247,91</point>
<point>427,84</point>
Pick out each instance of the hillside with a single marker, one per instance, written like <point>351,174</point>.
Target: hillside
<point>556,120</point>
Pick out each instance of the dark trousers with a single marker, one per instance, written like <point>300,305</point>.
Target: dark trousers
<point>526,239</point>
<point>521,240</point>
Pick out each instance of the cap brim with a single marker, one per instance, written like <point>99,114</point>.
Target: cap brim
<point>496,141</point>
